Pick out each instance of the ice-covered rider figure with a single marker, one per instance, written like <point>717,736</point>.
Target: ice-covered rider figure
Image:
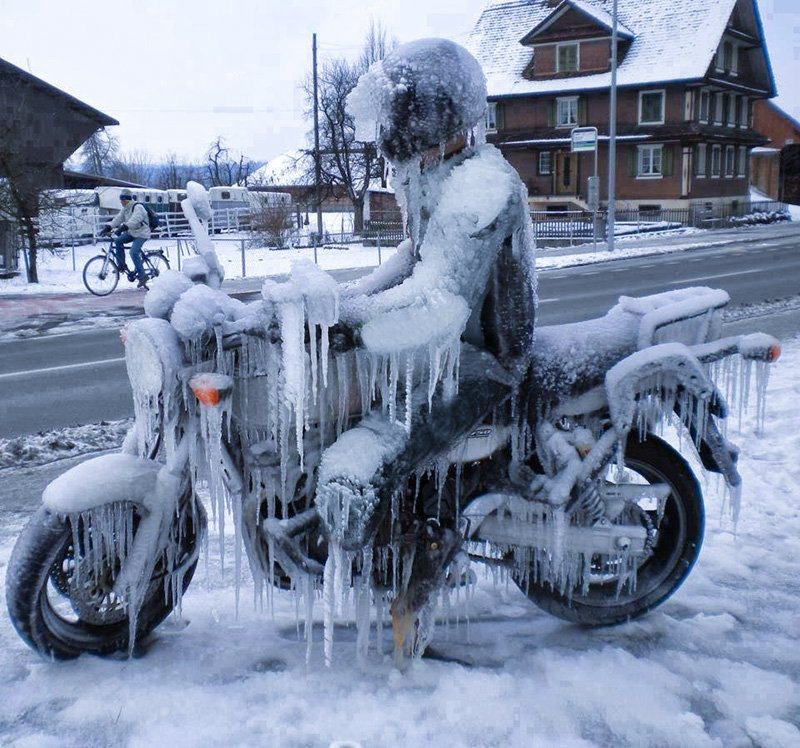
<point>466,272</point>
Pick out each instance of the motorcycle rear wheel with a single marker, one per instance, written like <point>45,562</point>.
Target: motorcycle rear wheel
<point>680,536</point>
<point>61,624</point>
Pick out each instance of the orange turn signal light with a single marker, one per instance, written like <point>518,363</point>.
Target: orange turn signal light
<point>774,353</point>
<point>205,394</point>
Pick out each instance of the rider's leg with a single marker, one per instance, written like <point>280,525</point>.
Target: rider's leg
<point>136,256</point>
<point>119,248</point>
<point>353,494</point>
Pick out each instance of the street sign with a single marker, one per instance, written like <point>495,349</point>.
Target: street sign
<point>593,194</point>
<point>584,139</point>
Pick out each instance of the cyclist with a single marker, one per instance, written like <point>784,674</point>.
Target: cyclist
<point>133,226</point>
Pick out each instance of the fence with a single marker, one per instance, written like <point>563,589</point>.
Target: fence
<point>558,228</point>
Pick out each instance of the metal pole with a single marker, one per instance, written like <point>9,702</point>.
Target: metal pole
<point>244,268</point>
<point>379,245</point>
<point>612,133</point>
<point>317,166</point>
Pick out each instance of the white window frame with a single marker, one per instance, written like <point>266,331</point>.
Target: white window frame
<point>735,60</point>
<point>730,161</point>
<point>716,155</point>
<point>705,94</point>
<point>700,170</point>
<point>549,158</point>
<point>744,103</point>
<point>491,116</point>
<point>577,46</point>
<point>742,158</point>
<point>663,93</point>
<point>717,120</point>
<point>568,101</point>
<point>732,110</point>
<point>641,159</point>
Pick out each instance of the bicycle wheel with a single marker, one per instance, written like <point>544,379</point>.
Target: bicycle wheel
<point>100,275</point>
<point>156,263</point>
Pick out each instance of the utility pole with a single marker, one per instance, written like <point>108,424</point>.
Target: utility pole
<point>612,134</point>
<point>317,167</point>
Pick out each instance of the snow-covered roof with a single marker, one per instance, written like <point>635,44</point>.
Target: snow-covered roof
<point>291,169</point>
<point>673,40</point>
<point>598,15</point>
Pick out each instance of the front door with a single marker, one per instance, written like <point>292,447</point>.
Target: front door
<point>566,173</point>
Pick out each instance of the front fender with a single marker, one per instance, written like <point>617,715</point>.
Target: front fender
<point>102,480</point>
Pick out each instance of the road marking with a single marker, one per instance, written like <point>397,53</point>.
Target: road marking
<point>718,275</point>
<point>65,367</point>
<point>549,301</point>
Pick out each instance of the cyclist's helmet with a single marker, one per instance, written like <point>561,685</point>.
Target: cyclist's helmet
<point>419,96</point>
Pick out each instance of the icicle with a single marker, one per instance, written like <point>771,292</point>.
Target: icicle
<point>363,604</point>
<point>329,602</point>
<point>409,388</point>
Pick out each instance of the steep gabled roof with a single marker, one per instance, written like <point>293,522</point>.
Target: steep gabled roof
<point>673,40</point>
<point>102,120</point>
<point>598,15</point>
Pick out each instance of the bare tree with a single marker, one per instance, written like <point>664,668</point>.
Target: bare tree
<point>99,153</point>
<point>134,166</point>
<point>346,162</point>
<point>225,166</point>
<point>171,174</point>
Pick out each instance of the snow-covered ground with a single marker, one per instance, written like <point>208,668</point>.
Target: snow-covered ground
<point>717,665</point>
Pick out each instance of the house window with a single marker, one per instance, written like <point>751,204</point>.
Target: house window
<point>742,161</point>
<point>735,60</point>
<point>650,161</point>
<point>567,58</point>
<point>730,161</point>
<point>491,117</point>
<point>727,57</point>
<point>704,105</point>
<point>567,112</point>
<point>732,110</point>
<point>716,160</point>
<point>719,104</point>
<point>726,110</point>
<point>700,160</point>
<point>744,104</point>
<point>651,108</point>
<point>545,163</point>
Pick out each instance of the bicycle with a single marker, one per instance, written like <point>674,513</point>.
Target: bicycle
<point>101,273</point>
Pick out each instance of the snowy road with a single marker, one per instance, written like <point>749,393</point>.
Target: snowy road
<point>717,665</point>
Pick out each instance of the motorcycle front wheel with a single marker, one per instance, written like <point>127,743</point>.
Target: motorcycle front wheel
<point>680,536</point>
<point>60,598</point>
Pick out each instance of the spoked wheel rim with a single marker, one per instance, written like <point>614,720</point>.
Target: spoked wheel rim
<point>159,264</point>
<point>653,569</point>
<point>100,276</point>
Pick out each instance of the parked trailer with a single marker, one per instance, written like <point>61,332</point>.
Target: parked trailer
<point>67,214</point>
<point>109,204</point>
<point>228,197</point>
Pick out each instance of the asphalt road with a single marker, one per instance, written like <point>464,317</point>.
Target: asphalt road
<point>51,382</point>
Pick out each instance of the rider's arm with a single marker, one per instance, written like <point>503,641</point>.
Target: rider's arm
<point>392,272</point>
<point>459,250</point>
<point>118,219</point>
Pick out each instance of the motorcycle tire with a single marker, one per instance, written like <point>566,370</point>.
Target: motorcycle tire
<point>42,600</point>
<point>680,536</point>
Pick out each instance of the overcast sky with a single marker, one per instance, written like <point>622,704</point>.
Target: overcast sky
<point>178,73</point>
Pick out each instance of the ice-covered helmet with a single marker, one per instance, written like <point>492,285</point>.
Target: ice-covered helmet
<point>420,95</point>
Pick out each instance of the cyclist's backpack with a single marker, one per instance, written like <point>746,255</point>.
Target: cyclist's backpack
<point>152,217</point>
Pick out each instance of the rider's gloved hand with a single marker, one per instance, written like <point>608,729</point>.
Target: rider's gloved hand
<point>105,231</point>
<point>123,227</point>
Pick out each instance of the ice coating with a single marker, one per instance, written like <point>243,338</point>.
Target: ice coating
<point>164,291</point>
<point>200,308</point>
<point>197,209</point>
<point>418,96</point>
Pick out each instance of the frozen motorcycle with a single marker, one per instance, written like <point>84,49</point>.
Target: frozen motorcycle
<point>571,491</point>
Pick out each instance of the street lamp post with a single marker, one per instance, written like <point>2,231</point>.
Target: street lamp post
<point>612,133</point>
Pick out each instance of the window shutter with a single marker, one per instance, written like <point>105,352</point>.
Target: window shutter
<point>666,160</point>
<point>551,113</point>
<point>582,115</point>
<point>633,161</point>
